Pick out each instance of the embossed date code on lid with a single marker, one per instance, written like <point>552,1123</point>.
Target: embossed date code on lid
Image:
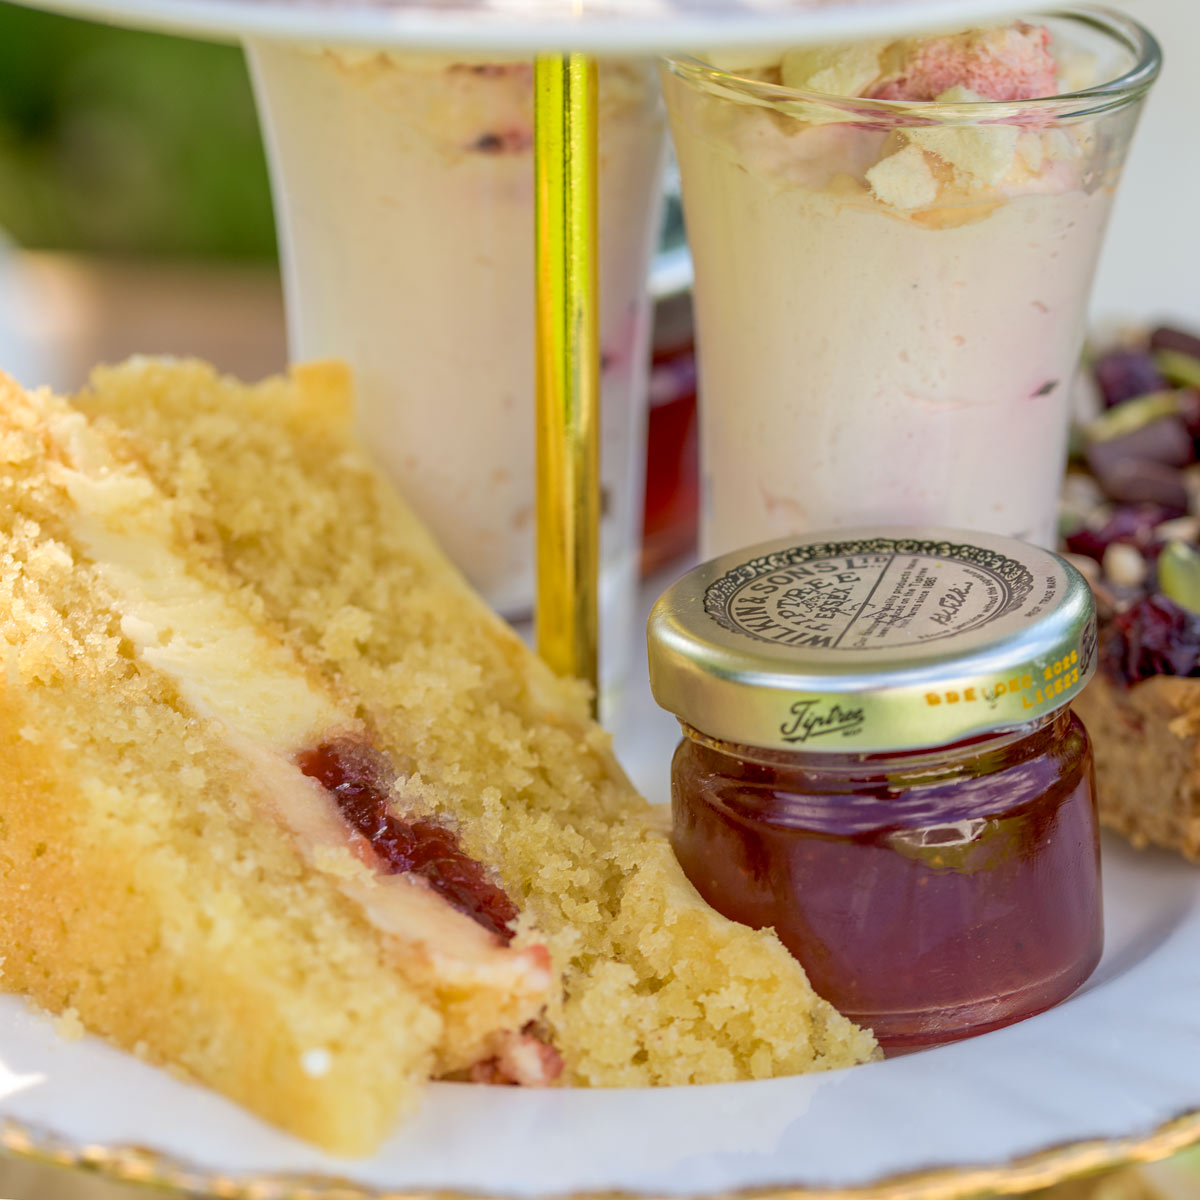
<point>877,639</point>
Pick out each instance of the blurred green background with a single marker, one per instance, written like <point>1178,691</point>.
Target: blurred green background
<point>125,142</point>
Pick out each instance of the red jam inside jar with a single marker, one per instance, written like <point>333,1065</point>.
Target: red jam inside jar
<point>930,895</point>
<point>880,763</point>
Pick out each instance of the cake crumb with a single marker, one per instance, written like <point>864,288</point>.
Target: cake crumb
<point>348,628</point>
<point>904,180</point>
<point>193,777</point>
<point>984,154</point>
<point>68,1026</point>
<point>845,69</point>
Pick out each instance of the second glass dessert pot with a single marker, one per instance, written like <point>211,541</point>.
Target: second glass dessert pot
<point>879,762</point>
<point>404,190</point>
<point>891,294</point>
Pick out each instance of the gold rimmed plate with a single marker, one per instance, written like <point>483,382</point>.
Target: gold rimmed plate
<point>1111,1075</point>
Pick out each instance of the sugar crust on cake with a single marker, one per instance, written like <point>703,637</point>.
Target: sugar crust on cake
<point>129,861</point>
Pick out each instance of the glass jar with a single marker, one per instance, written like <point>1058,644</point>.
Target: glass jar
<point>907,800</point>
<point>879,275</point>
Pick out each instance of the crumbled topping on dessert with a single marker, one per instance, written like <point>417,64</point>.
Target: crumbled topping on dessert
<point>904,180</point>
<point>838,70</point>
<point>1031,149</point>
<point>983,152</point>
<point>743,60</point>
<point>1078,69</point>
<point>1009,63</point>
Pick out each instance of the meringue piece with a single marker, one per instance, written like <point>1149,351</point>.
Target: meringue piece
<point>904,180</point>
<point>838,70</point>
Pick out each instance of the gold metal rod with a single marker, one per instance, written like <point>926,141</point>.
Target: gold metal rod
<point>568,375</point>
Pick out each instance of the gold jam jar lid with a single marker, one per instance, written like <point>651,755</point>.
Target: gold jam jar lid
<point>872,640</point>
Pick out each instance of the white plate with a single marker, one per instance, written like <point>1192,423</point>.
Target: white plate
<point>602,26</point>
<point>1118,1061</point>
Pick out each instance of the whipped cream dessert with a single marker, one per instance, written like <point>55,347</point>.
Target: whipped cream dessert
<point>890,296</point>
<point>404,191</point>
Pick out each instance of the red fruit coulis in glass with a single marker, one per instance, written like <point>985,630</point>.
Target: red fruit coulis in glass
<point>929,896</point>
<point>359,779</point>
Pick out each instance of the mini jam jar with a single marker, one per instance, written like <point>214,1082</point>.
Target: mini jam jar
<point>879,762</point>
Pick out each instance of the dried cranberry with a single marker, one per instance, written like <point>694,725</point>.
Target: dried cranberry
<point>1165,338</point>
<point>1155,636</point>
<point>359,779</point>
<point>1143,481</point>
<point>1133,524</point>
<point>1189,413</point>
<point>1152,549</point>
<point>1125,374</point>
<point>1164,440</point>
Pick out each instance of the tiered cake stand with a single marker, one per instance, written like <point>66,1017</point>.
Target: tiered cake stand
<point>1111,1076</point>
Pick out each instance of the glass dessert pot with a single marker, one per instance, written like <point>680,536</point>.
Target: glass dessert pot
<point>404,190</point>
<point>879,762</point>
<point>893,268</point>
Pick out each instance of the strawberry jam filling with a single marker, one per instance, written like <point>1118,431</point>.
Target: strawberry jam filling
<point>359,779</point>
<point>523,1059</point>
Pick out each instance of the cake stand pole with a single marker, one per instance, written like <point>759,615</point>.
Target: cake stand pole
<point>568,374</point>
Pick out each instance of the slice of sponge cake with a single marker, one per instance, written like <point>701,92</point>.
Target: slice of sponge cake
<point>282,802</point>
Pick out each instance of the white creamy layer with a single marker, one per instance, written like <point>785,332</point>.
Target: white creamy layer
<point>889,321</point>
<point>405,192</point>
